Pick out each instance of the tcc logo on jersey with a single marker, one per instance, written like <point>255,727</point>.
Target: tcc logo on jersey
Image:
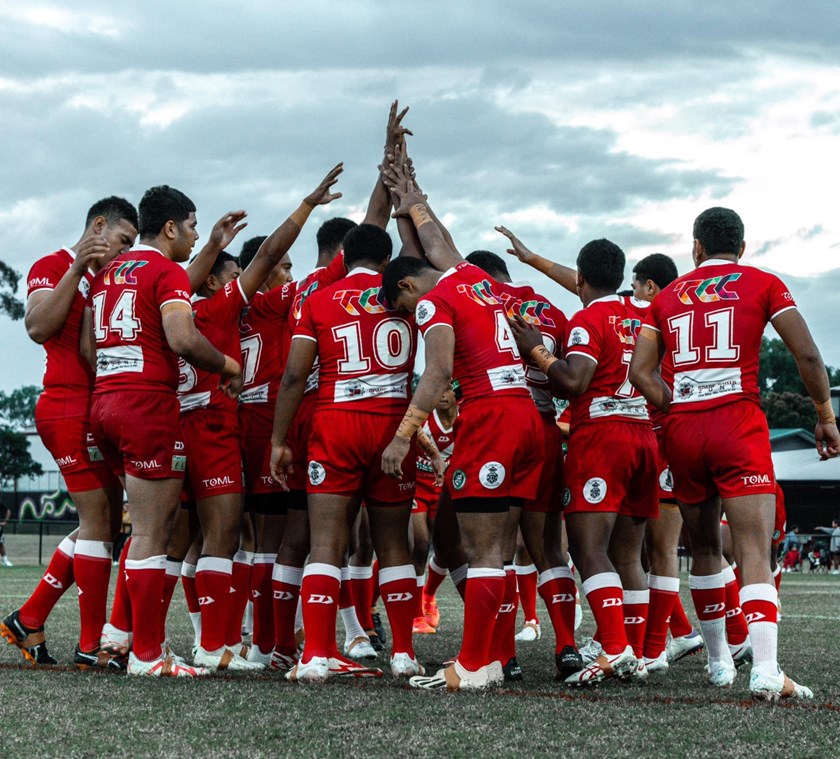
<point>626,329</point>
<point>481,293</point>
<point>707,290</point>
<point>125,273</point>
<point>366,300</point>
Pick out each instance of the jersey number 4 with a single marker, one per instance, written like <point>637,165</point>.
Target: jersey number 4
<point>121,319</point>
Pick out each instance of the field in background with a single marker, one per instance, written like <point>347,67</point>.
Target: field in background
<point>68,713</point>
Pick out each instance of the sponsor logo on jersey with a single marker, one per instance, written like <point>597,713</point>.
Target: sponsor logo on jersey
<point>300,299</point>
<point>404,486</point>
<point>40,282</point>
<point>626,329</point>
<point>217,482</point>
<point>491,475</point>
<point>397,597</point>
<point>317,598</point>
<point>459,479</point>
<point>481,293</point>
<point>567,496</point>
<point>267,480</point>
<point>595,490</point>
<point>84,287</point>
<point>707,290</point>
<point>124,273</point>
<point>356,301</point>
<point>756,480</point>
<point>317,473</point>
<point>65,461</point>
<point>146,465</point>
<point>666,481</point>
<point>578,336</point>
<point>532,311</point>
<point>425,310</point>
<point>179,463</point>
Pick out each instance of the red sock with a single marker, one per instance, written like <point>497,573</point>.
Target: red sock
<point>190,592</point>
<point>92,569</point>
<point>361,582</point>
<point>121,608</point>
<point>680,624</point>
<point>376,589</point>
<point>263,604</point>
<point>664,592</point>
<point>636,604</point>
<point>436,575</point>
<point>484,591</point>
<point>345,595</point>
<point>212,582</point>
<point>285,585</point>
<point>240,585</point>
<point>54,582</point>
<point>777,578</point>
<point>503,641</point>
<point>709,596</point>
<point>319,592</point>
<point>170,581</point>
<point>606,599</point>
<point>557,590</point>
<point>736,623</point>
<point>144,579</point>
<point>526,582</point>
<point>398,586</point>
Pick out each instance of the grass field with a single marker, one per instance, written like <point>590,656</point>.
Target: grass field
<point>68,713</point>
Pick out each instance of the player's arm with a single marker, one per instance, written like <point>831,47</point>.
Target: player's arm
<point>568,377</point>
<point>791,327</point>
<point>427,445</point>
<point>437,377</point>
<point>224,230</point>
<point>379,205</point>
<point>301,359</point>
<point>47,310</point>
<point>562,275</point>
<point>277,244</point>
<point>644,365</point>
<point>187,342</point>
<point>87,340</point>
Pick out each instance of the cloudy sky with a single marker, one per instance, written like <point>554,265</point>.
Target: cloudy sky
<point>562,120</point>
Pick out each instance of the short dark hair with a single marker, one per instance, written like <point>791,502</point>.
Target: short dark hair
<point>719,230</point>
<point>161,204</point>
<point>221,260</point>
<point>491,263</point>
<point>397,270</point>
<point>113,209</point>
<point>658,267</point>
<point>249,250</point>
<point>367,242</point>
<point>331,234</point>
<point>601,263</point>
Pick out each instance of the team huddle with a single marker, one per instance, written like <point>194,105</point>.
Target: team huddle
<point>269,442</point>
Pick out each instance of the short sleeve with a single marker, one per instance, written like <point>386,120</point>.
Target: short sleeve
<point>651,319</point>
<point>779,298</point>
<point>45,274</point>
<point>433,312</point>
<point>305,327</point>
<point>582,337</point>
<point>225,307</point>
<point>278,302</point>
<point>335,271</point>
<point>172,286</point>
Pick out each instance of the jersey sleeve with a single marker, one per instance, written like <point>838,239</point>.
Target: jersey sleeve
<point>779,298</point>
<point>45,274</point>
<point>278,302</point>
<point>335,271</point>
<point>172,286</point>
<point>305,328</point>
<point>651,318</point>
<point>226,305</point>
<point>583,337</point>
<point>433,312</point>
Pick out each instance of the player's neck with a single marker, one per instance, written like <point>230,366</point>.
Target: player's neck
<point>447,418</point>
<point>157,243</point>
<point>589,294</point>
<point>324,260</point>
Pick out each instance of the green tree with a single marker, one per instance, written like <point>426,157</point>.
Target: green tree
<point>17,409</point>
<point>15,459</point>
<point>9,304</point>
<point>789,410</point>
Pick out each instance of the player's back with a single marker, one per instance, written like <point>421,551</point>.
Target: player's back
<point>127,296</point>
<point>712,320</point>
<point>365,350</point>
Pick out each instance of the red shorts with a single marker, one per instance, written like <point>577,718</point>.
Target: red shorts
<point>298,440</point>
<point>345,457</point>
<point>499,451</point>
<point>64,427</point>
<point>139,433</point>
<point>256,422</point>
<point>722,451</point>
<point>550,493</point>
<point>666,479</point>
<point>611,467</point>
<point>211,438</point>
<point>426,497</point>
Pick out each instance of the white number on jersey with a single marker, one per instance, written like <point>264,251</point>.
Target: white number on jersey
<point>722,347</point>
<point>391,346</point>
<point>121,319</point>
<point>251,348</point>
<point>504,337</point>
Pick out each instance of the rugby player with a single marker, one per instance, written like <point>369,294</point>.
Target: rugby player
<point>709,323</point>
<point>58,288</point>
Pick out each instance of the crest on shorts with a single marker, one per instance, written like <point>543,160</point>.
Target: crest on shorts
<point>595,490</point>
<point>578,336</point>
<point>459,479</point>
<point>491,475</point>
<point>567,496</point>
<point>425,310</point>
<point>179,463</point>
<point>776,535</point>
<point>666,481</point>
<point>317,473</point>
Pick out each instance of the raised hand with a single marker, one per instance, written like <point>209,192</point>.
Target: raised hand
<point>226,228</point>
<point>321,195</point>
<point>91,248</point>
<point>518,249</point>
<point>395,132</point>
<point>526,335</point>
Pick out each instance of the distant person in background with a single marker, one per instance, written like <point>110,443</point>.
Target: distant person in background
<point>7,514</point>
<point>791,540</point>
<point>833,546</point>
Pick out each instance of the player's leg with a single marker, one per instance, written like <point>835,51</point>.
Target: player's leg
<point>626,543</point>
<point>435,574</point>
<point>526,580</point>
<point>503,642</point>
<point>362,580</point>
<point>268,511</point>
<point>243,564</point>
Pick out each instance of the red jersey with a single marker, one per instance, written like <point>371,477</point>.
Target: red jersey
<point>486,360</point>
<point>444,438</point>
<point>712,320</point>
<point>605,332</point>
<point>126,296</point>
<point>521,300</point>
<point>66,370</point>
<point>217,318</point>
<point>366,351</point>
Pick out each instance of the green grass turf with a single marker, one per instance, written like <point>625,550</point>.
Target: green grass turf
<point>67,713</point>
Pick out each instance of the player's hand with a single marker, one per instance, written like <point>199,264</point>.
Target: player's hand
<point>232,386</point>
<point>394,456</point>
<point>92,247</point>
<point>439,466</point>
<point>518,249</point>
<point>321,195</point>
<point>226,228</point>
<point>281,463</point>
<point>395,132</point>
<point>526,335</point>
<point>828,440</point>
